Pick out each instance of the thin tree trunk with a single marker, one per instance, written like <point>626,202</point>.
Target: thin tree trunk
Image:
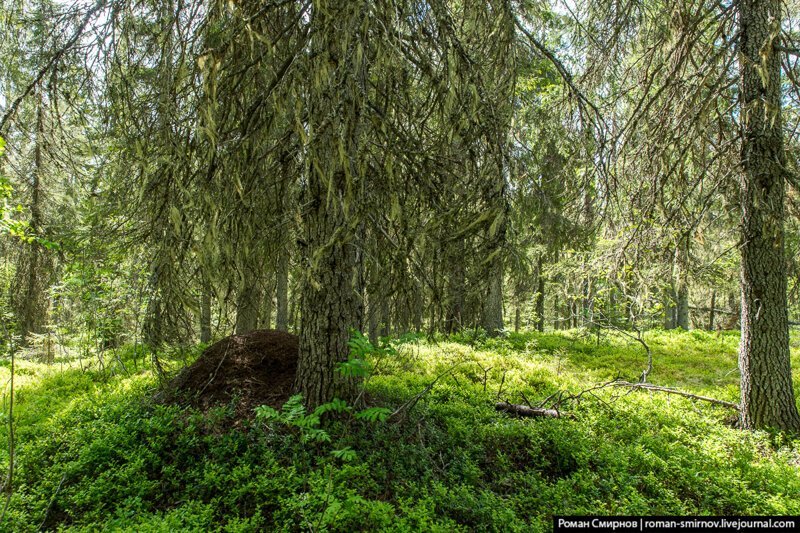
<point>205,315</point>
<point>419,308</point>
<point>682,285</point>
<point>386,317</point>
<point>539,299</point>
<point>375,306</point>
<point>282,291</point>
<point>556,311</point>
<point>766,377</point>
<point>32,301</point>
<point>711,311</point>
<point>456,285</point>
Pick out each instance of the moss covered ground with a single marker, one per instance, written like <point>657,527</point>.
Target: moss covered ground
<point>96,453</point>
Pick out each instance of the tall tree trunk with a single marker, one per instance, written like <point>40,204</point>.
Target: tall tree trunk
<point>282,291</point>
<point>374,318</point>
<point>248,301</point>
<point>419,307</point>
<point>493,306</point>
<point>556,310</point>
<point>386,317</point>
<point>587,304</point>
<point>682,307</point>
<point>766,377</point>
<point>712,311</point>
<point>330,302</point>
<point>205,314</point>
<point>456,286</point>
<point>374,303</point>
<point>267,305</point>
<point>539,299</point>
<point>682,284</point>
<point>670,310</point>
<point>734,306</point>
<point>31,303</point>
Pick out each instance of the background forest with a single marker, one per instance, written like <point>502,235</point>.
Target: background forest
<point>455,205</point>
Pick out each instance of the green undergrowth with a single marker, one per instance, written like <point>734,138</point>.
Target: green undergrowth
<point>94,452</point>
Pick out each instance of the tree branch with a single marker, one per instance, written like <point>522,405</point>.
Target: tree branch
<point>12,109</point>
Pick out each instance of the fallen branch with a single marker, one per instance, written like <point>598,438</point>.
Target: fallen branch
<point>400,412</point>
<point>668,390</point>
<point>524,410</point>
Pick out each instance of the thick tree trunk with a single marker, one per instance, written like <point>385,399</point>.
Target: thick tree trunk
<point>374,318</point>
<point>330,303</point>
<point>682,307</point>
<point>766,377</point>
<point>670,311</point>
<point>248,301</point>
<point>493,306</point>
<point>282,291</point>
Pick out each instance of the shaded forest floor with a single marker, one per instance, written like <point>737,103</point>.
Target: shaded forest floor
<point>95,452</point>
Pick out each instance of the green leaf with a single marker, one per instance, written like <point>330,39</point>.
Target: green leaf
<point>346,454</point>
<point>374,414</point>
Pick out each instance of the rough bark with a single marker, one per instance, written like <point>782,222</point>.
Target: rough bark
<point>330,304</point>
<point>493,306</point>
<point>670,314</point>
<point>682,307</point>
<point>374,318</point>
<point>248,301</point>
<point>766,378</point>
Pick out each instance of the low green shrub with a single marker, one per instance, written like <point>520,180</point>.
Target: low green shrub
<point>95,453</point>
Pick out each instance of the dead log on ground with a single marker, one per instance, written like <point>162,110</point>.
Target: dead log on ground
<point>647,386</point>
<point>524,410</point>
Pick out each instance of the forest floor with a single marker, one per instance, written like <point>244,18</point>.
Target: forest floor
<point>95,452</point>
